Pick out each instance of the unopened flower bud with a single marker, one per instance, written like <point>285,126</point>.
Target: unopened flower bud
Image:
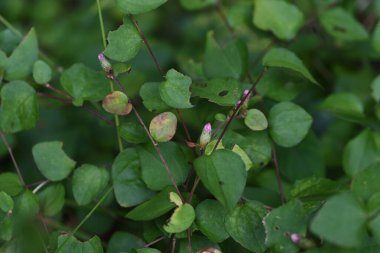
<point>106,65</point>
<point>209,250</point>
<point>206,135</point>
<point>296,238</point>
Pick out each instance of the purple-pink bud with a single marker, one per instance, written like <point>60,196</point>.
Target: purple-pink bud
<point>246,92</point>
<point>101,57</point>
<point>207,128</point>
<point>296,238</point>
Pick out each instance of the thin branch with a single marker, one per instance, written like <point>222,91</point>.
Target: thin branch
<point>160,71</point>
<point>155,144</point>
<point>154,242</point>
<point>85,218</point>
<point>142,35</point>
<point>4,139</point>
<point>223,16</point>
<point>189,246</point>
<point>239,105</point>
<point>278,176</point>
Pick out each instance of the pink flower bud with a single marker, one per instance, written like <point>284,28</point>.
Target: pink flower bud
<point>296,238</point>
<point>246,92</point>
<point>106,65</point>
<point>206,135</point>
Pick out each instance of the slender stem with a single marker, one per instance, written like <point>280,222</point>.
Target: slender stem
<point>160,71</point>
<point>155,144</point>
<point>278,176</point>
<point>189,246</point>
<point>4,139</point>
<point>195,185</point>
<point>223,16</point>
<point>10,26</point>
<point>39,187</point>
<point>85,218</point>
<point>154,242</point>
<point>142,35</point>
<point>238,106</point>
<point>104,41</point>
<point>58,91</point>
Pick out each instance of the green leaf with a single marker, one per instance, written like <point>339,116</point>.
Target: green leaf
<point>222,91</point>
<point>225,62</point>
<point>346,105</point>
<point>151,101</point>
<point>153,208</point>
<point>243,155</point>
<point>283,221</point>
<point>129,189</point>
<point>26,205</point>
<point>366,182</point>
<point>292,164</point>
<point>210,216</point>
<point>284,58</point>
<point>137,7</point>
<point>375,85</point>
<point>124,43</point>
<point>52,161</point>
<point>341,221</point>
<point>42,72</point>
<point>245,226</point>
<point>192,5</point>
<point>124,242</point>
<point>71,244</point>
<point>19,107</point>
<point>181,219</point>
<point>198,244</point>
<point>314,186</point>
<point>84,84</point>
<point>117,103</point>
<point>6,229</point>
<point>19,64</point>
<point>376,38</point>
<point>153,171</point>
<point>132,132</point>
<point>163,127</point>
<point>52,199</point>
<point>223,174</point>
<point>374,227</point>
<point>255,120</point>
<point>174,91</point>
<point>6,202</point>
<point>282,18</point>
<point>361,151</point>
<point>10,183</point>
<point>88,182</point>
<point>288,124</point>
<point>342,25</point>
<point>148,250</point>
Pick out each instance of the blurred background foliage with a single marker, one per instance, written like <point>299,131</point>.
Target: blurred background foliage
<point>69,32</point>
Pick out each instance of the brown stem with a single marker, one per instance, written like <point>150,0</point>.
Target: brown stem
<point>154,242</point>
<point>155,144</point>
<point>195,185</point>
<point>278,176</point>
<point>189,246</point>
<point>3,138</point>
<point>238,106</point>
<point>50,87</point>
<point>223,16</point>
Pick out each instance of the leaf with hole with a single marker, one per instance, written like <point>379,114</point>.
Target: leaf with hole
<point>181,219</point>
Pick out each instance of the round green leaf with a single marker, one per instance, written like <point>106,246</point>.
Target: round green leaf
<point>123,44</point>
<point>245,226</point>
<point>256,120</point>
<point>88,182</point>
<point>10,183</point>
<point>151,101</point>
<point>19,107</point>
<point>6,202</point>
<point>210,216</point>
<point>129,189</point>
<point>41,72</point>
<point>288,124</point>
<point>181,219</point>
<point>344,105</point>
<point>280,17</point>
<point>117,103</point>
<point>52,199</point>
<point>223,174</point>
<point>174,91</point>
<point>341,221</point>
<point>52,161</point>
<point>137,7</point>
<point>124,242</point>
<point>71,244</point>
<point>163,127</point>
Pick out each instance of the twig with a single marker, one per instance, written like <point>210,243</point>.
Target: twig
<point>40,186</point>
<point>239,105</point>
<point>222,14</point>
<point>154,242</point>
<point>160,71</point>
<point>278,176</point>
<point>155,144</point>
<point>3,138</point>
<point>189,246</point>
